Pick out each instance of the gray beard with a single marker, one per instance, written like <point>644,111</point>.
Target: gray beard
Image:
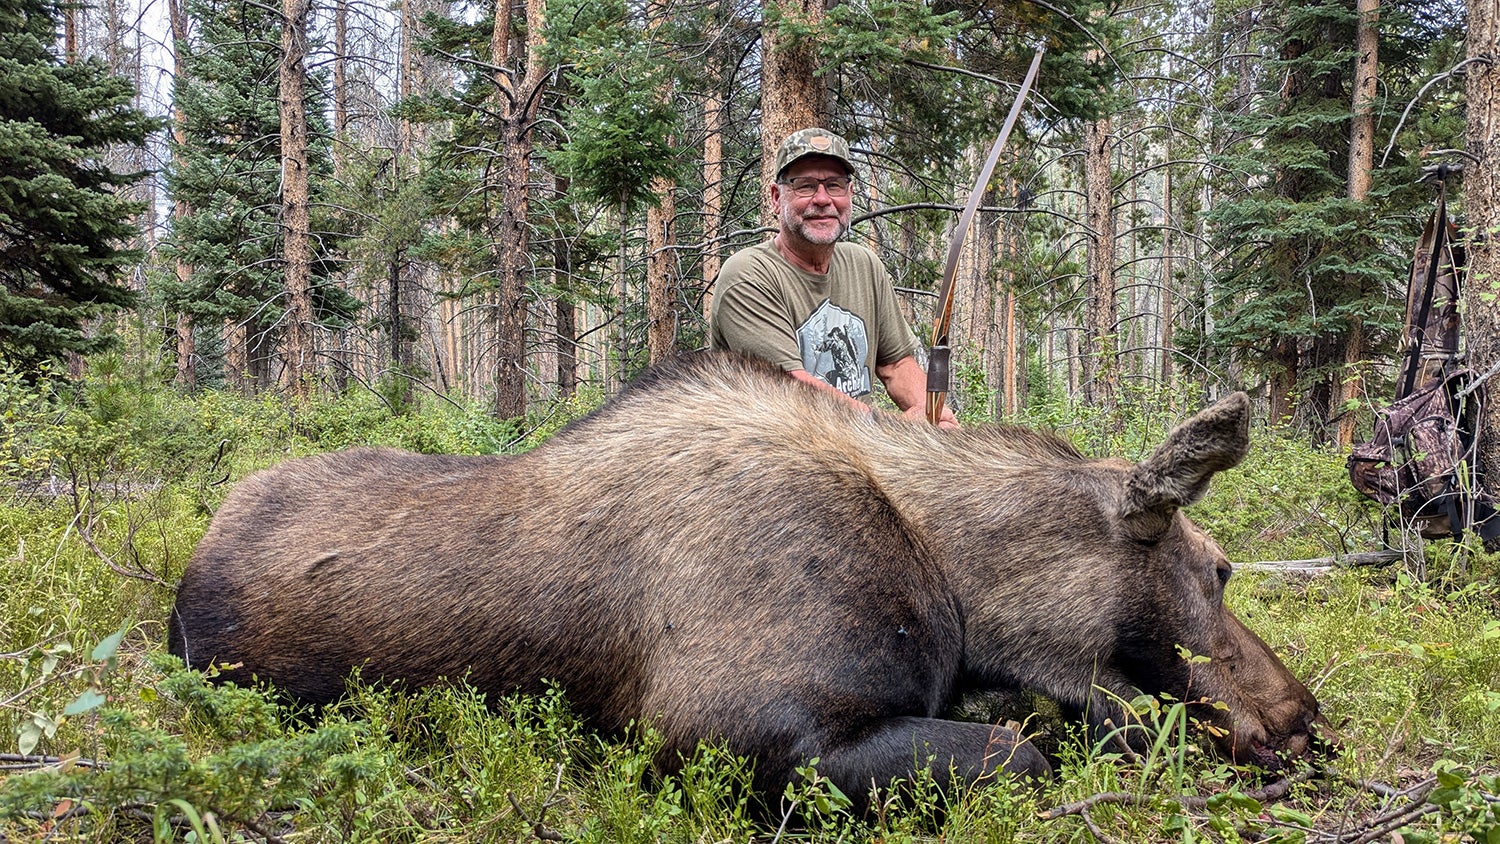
<point>789,223</point>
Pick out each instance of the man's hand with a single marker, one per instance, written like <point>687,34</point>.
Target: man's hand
<point>906,383</point>
<point>918,413</point>
<point>909,391</point>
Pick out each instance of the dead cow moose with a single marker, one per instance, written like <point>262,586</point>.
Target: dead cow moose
<point>730,555</point>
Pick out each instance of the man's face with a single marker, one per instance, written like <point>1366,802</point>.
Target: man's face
<point>820,218</point>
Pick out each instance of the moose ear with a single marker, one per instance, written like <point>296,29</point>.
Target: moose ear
<point>1178,472</point>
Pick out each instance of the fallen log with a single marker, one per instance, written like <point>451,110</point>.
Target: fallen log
<point>1318,565</point>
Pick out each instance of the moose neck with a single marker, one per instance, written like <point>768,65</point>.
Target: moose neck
<point>1013,519</point>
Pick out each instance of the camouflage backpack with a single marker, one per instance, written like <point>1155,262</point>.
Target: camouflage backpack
<point>1422,457</point>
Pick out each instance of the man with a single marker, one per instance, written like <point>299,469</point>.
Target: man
<point>822,310</point>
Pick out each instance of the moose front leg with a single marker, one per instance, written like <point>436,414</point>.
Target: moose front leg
<point>953,750</point>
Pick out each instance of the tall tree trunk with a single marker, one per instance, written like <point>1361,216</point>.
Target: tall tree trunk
<point>1283,379</point>
<point>662,282</point>
<point>70,13</point>
<point>237,356</point>
<point>1010,364</point>
<point>1347,381</point>
<point>519,85</point>
<point>297,331</point>
<point>186,377</point>
<point>713,181</point>
<point>621,334</point>
<point>792,97</point>
<point>340,341</point>
<point>1362,128</point>
<point>661,272</point>
<point>404,311</point>
<point>975,334</point>
<point>1010,361</point>
<point>187,347</point>
<point>1164,339</point>
<point>341,81</point>
<point>565,311</point>
<point>1482,210</point>
<point>408,71</point>
<point>1100,355</point>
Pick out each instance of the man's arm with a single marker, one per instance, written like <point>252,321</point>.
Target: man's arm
<point>906,383</point>
<point>814,381</point>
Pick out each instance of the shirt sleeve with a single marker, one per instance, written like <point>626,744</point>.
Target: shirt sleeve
<point>749,316</point>
<point>895,339</point>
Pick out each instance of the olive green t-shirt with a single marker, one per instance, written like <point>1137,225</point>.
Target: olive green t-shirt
<point>838,326</point>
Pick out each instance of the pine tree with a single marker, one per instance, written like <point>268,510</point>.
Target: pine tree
<point>1307,265</point>
<point>227,172</point>
<point>62,218</point>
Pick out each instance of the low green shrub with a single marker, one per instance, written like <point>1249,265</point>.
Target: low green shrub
<point>107,485</point>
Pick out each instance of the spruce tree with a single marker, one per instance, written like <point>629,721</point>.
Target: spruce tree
<point>227,172</point>
<point>62,221</point>
<point>1306,265</point>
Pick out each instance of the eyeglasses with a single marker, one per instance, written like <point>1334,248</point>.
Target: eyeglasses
<point>807,186</point>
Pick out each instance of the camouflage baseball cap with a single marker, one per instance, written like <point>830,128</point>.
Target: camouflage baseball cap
<point>812,142</point>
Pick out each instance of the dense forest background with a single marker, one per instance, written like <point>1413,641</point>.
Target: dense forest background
<point>502,203</point>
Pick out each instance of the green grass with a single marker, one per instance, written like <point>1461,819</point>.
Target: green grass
<point>1406,664</point>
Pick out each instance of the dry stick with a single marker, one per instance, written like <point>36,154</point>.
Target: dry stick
<point>85,532</point>
<point>1380,826</point>
<point>17,762</point>
<point>255,827</point>
<point>1273,791</point>
<point>540,832</point>
<point>1391,792</point>
<point>1393,821</point>
<point>538,828</point>
<point>1094,830</point>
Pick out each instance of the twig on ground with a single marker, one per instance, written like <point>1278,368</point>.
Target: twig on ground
<point>255,827</point>
<point>1094,830</point>
<point>1376,828</point>
<point>18,762</point>
<point>539,828</point>
<point>1274,791</point>
<point>1391,792</point>
<point>1383,825</point>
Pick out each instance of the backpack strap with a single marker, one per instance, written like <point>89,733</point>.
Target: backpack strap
<point>1429,286</point>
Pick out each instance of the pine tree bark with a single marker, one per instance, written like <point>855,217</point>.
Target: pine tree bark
<point>661,271</point>
<point>408,84</point>
<point>187,347</point>
<point>1482,210</point>
<point>1164,338</point>
<point>519,84</point>
<point>237,371</point>
<point>70,13</point>
<point>713,183</point>
<point>1347,384</point>
<point>1100,355</point>
<point>791,97</point>
<point>340,341</point>
<point>297,253</point>
<point>341,81</point>
<point>662,282</point>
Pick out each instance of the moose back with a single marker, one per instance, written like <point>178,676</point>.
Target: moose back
<point>730,555</point>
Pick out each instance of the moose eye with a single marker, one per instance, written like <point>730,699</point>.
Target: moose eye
<point>1223,570</point>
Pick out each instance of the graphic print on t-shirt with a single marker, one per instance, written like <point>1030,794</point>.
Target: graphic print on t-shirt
<point>834,347</point>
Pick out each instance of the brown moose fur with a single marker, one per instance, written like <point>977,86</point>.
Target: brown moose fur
<point>731,555</point>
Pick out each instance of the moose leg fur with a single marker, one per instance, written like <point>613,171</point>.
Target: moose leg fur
<point>897,747</point>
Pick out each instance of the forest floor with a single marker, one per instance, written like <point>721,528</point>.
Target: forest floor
<point>104,493</point>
